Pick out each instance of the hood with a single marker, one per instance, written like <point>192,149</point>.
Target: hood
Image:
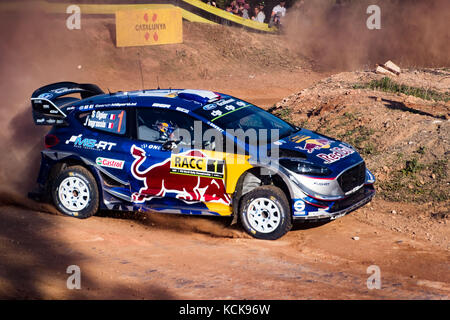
<point>318,149</point>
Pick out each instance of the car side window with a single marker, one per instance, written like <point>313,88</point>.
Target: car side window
<point>112,121</point>
<point>162,125</point>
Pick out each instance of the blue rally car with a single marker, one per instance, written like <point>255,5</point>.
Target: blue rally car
<point>191,152</point>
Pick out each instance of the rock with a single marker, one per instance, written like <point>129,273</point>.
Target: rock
<point>355,238</point>
<point>392,67</point>
<point>433,176</point>
<point>384,71</point>
<point>394,212</point>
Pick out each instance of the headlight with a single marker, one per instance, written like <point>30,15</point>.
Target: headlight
<point>304,167</point>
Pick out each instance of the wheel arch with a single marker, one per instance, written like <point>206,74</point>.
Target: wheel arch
<point>249,181</point>
<point>62,163</point>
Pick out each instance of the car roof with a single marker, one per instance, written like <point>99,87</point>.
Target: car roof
<point>189,99</point>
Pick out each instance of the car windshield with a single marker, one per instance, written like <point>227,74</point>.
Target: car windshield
<point>246,119</point>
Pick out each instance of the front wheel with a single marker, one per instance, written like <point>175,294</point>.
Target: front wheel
<point>265,213</point>
<point>75,192</point>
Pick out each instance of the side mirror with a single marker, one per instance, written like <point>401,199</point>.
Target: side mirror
<point>209,144</point>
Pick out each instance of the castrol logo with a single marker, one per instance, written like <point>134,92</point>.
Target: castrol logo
<point>110,163</point>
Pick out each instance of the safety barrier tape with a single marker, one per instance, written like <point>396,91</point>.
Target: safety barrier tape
<point>109,9</point>
<point>229,16</point>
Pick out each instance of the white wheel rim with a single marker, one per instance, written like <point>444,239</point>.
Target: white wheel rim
<point>263,215</point>
<point>74,194</point>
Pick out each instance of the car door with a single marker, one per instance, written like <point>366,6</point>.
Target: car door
<point>103,143</point>
<point>169,164</point>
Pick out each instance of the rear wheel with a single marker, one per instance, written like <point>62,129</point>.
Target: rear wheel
<point>75,192</point>
<point>265,213</point>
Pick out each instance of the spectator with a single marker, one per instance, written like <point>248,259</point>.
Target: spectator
<point>259,14</point>
<point>247,9</point>
<point>278,12</point>
<point>211,3</point>
<point>242,11</point>
<point>234,5</point>
<point>261,7</point>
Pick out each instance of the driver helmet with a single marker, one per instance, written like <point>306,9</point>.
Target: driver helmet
<point>166,129</point>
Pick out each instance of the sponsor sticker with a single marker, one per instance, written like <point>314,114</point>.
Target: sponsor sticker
<point>182,110</point>
<point>45,96</point>
<point>210,106</point>
<point>161,105</point>
<point>198,166</point>
<point>299,207</point>
<point>310,145</point>
<point>279,142</point>
<point>299,138</point>
<point>337,154</point>
<point>151,146</point>
<point>216,113</point>
<point>110,163</point>
<point>65,90</point>
<point>224,102</point>
<point>93,144</point>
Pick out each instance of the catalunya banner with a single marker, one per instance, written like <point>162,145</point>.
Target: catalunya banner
<point>149,27</point>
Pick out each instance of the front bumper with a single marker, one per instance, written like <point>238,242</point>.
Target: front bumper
<point>342,207</point>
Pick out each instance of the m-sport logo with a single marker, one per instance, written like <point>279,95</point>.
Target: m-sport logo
<point>78,141</point>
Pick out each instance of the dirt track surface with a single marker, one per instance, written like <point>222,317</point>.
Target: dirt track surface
<point>135,259</point>
<point>139,256</point>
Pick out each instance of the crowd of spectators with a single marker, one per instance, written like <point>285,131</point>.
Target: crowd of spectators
<point>242,8</point>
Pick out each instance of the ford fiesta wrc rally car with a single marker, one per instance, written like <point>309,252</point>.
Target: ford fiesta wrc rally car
<point>192,152</point>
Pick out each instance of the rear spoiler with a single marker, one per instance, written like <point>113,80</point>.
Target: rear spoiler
<point>48,102</point>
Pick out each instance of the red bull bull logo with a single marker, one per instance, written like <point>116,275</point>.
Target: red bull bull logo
<point>315,144</point>
<point>310,144</point>
<point>159,179</point>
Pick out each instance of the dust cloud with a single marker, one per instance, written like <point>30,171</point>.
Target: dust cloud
<point>25,66</point>
<point>15,199</point>
<point>414,33</point>
<point>203,225</point>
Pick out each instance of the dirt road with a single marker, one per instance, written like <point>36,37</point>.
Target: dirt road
<point>198,258</point>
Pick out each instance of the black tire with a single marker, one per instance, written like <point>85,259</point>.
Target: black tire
<point>278,199</point>
<point>89,198</point>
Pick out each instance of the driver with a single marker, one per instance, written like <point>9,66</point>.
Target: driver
<point>166,130</point>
